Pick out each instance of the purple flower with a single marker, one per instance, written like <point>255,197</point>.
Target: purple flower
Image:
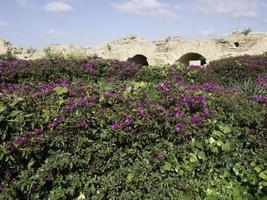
<point>109,94</point>
<point>198,101</point>
<point>1,188</point>
<point>126,129</point>
<point>72,105</point>
<point>179,80</point>
<point>193,101</point>
<point>19,140</point>
<point>185,99</point>
<point>140,111</point>
<point>179,114</point>
<point>260,99</point>
<point>10,145</point>
<point>1,94</point>
<point>65,83</point>
<point>38,131</point>
<point>56,121</point>
<point>128,122</point>
<point>157,157</point>
<point>262,81</point>
<point>207,112</point>
<point>166,87</point>
<point>90,67</point>
<point>115,126</point>
<point>29,134</point>
<point>82,123</point>
<point>160,157</point>
<point>179,127</point>
<point>34,95</point>
<point>197,119</point>
<point>210,87</point>
<point>7,173</point>
<point>202,100</point>
<point>84,102</point>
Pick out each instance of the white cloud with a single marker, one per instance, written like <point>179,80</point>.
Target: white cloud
<point>56,33</point>
<point>23,3</point>
<point>148,8</point>
<point>57,6</point>
<point>208,33</point>
<point>3,24</point>
<point>27,4</point>
<point>232,8</point>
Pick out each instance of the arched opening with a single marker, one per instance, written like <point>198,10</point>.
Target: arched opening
<point>139,59</point>
<point>194,58</point>
<point>236,44</point>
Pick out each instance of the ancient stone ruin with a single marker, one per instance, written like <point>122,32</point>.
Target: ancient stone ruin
<point>166,51</point>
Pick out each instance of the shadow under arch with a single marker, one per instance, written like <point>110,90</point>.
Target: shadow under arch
<point>186,58</point>
<point>138,59</point>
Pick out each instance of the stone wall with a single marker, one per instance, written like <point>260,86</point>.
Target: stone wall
<point>159,52</point>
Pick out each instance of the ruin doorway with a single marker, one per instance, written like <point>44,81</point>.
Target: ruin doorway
<point>192,58</point>
<point>138,59</point>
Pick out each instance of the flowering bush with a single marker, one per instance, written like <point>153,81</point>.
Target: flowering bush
<point>261,81</point>
<point>105,129</point>
<point>234,70</point>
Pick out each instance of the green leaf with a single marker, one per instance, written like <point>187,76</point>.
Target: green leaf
<point>130,177</point>
<point>237,168</point>
<point>214,150</point>
<point>31,163</point>
<point>211,194</point>
<point>201,155</point>
<point>199,145</point>
<point>13,113</point>
<point>263,175</point>
<point>257,168</point>
<point>1,118</point>
<point>225,129</point>
<point>178,169</point>
<point>211,140</point>
<point>167,166</point>
<point>193,158</point>
<point>2,108</point>
<point>153,93</point>
<point>61,101</point>
<point>61,90</point>
<point>226,146</point>
<point>217,133</point>
<point>219,143</point>
<point>81,196</point>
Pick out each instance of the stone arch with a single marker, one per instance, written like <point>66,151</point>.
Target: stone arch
<point>236,44</point>
<point>192,56</point>
<point>138,59</point>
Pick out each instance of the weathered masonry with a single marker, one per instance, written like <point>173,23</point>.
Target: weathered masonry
<point>166,51</point>
<point>177,49</point>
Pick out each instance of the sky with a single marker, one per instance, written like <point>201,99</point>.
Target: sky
<point>34,23</point>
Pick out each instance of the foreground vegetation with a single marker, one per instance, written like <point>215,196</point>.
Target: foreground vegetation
<point>105,129</point>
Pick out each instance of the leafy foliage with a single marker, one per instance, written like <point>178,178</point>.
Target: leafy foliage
<point>105,129</point>
<point>234,70</point>
<point>8,56</point>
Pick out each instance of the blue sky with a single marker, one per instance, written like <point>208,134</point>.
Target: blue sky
<point>33,23</point>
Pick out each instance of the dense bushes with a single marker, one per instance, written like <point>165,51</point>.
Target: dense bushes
<point>8,56</point>
<point>230,71</point>
<point>65,69</point>
<point>104,129</point>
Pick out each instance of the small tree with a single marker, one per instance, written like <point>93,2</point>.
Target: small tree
<point>247,31</point>
<point>8,56</point>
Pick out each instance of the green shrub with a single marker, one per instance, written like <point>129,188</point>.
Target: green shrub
<point>234,70</point>
<point>104,129</point>
<point>8,56</point>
